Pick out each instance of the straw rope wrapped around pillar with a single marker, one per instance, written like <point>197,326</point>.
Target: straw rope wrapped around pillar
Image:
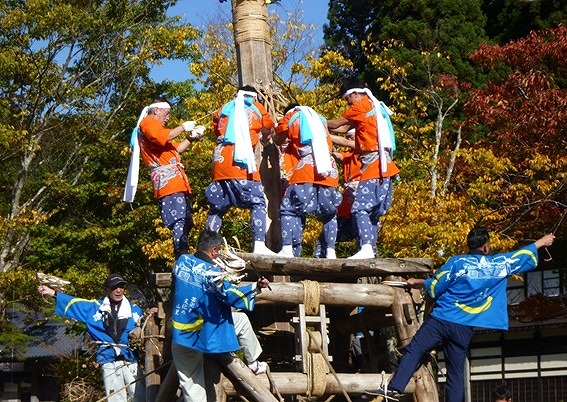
<point>316,374</point>
<point>252,41</point>
<point>315,361</point>
<point>250,20</point>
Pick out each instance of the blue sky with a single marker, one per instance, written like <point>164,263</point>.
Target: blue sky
<point>198,12</point>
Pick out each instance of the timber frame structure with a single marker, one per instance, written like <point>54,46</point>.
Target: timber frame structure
<point>307,325</point>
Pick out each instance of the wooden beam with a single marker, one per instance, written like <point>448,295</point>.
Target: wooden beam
<point>248,383</point>
<point>332,294</point>
<point>296,383</point>
<point>252,42</point>
<point>341,267</point>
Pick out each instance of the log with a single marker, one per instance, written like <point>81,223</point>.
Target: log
<point>406,323</point>
<point>341,267</point>
<point>248,383</point>
<point>332,294</point>
<point>296,383</point>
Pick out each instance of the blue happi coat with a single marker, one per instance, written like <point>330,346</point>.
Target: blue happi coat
<point>470,289</point>
<point>91,313</point>
<point>202,301</point>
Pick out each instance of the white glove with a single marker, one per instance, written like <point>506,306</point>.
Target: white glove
<point>197,133</point>
<point>189,125</point>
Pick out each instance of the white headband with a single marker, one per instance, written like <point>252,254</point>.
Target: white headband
<point>353,90</point>
<point>160,105</point>
<point>247,93</point>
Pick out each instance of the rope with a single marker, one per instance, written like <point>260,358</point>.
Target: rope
<point>316,374</point>
<point>250,21</point>
<point>311,296</point>
<point>328,363</point>
<point>273,387</point>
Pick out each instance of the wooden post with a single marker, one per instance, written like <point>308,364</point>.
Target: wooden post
<point>406,324</point>
<point>254,60</point>
<point>152,358</point>
<point>252,40</point>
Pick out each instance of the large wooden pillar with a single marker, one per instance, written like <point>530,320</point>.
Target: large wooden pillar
<point>254,60</point>
<point>252,40</point>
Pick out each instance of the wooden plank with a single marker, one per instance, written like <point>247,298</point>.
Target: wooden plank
<point>341,267</point>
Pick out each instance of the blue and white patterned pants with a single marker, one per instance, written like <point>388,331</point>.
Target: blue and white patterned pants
<point>175,211</point>
<point>302,199</point>
<point>249,194</point>
<point>372,199</point>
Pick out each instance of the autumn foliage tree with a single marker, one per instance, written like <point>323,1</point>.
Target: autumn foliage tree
<point>67,72</point>
<point>522,112</point>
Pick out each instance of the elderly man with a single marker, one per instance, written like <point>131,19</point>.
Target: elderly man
<point>236,179</point>
<point>374,145</point>
<point>202,321</point>
<point>469,291</point>
<point>109,321</point>
<point>162,156</point>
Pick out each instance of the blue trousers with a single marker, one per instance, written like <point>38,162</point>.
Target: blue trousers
<point>175,211</point>
<point>249,194</point>
<point>372,199</point>
<point>300,200</point>
<point>455,339</point>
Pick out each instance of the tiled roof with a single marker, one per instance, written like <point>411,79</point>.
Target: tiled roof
<point>48,338</point>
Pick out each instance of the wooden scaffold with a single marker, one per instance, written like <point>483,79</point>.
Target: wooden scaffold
<point>315,376</point>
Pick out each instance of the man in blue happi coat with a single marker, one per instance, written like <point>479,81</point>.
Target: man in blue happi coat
<point>202,318</point>
<point>469,291</point>
<point>109,321</point>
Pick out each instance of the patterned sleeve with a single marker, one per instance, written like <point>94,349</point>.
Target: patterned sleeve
<point>522,260</point>
<point>240,297</point>
<point>440,281</point>
<point>75,307</point>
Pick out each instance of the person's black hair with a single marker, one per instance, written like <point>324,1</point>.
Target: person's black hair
<point>248,88</point>
<point>158,99</point>
<point>290,106</point>
<point>502,392</point>
<point>351,83</point>
<point>477,238</point>
<point>209,239</point>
